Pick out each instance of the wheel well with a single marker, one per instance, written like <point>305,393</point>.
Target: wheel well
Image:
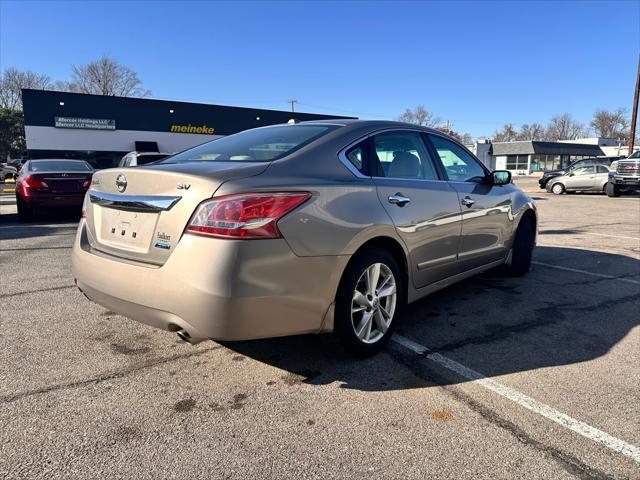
<point>393,247</point>
<point>531,217</point>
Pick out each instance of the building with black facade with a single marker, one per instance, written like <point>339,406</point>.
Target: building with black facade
<point>102,129</point>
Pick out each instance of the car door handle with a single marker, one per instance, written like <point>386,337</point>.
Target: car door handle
<point>399,199</point>
<point>468,201</point>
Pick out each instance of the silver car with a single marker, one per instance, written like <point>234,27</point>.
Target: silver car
<point>591,178</point>
<point>330,226</point>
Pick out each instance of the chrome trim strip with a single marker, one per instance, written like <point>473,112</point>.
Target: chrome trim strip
<point>480,251</point>
<point>437,262</point>
<point>141,203</point>
<point>342,154</point>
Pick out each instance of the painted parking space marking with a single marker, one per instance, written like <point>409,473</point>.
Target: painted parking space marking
<point>609,235</point>
<point>585,272</point>
<point>587,431</point>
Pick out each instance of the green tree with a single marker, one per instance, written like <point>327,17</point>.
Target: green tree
<point>12,141</point>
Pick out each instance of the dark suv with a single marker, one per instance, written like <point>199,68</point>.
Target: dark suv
<point>585,162</point>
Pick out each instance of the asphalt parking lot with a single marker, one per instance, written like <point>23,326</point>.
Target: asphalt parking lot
<point>534,377</point>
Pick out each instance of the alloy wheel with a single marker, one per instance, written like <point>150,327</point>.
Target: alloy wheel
<point>374,303</point>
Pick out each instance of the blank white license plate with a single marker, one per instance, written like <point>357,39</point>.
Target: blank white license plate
<point>127,230</point>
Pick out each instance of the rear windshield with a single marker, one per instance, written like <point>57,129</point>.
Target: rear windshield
<point>258,145</point>
<point>144,159</point>
<point>59,166</point>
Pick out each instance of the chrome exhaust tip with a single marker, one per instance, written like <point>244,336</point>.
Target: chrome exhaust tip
<point>184,336</point>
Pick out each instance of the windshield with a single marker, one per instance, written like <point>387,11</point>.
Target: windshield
<point>635,154</point>
<point>59,166</point>
<point>257,145</point>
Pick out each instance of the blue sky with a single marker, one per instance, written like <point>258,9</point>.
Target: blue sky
<point>479,64</point>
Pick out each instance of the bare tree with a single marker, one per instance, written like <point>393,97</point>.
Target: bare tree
<point>533,131</point>
<point>466,139</point>
<point>419,116</point>
<point>106,76</point>
<point>506,134</point>
<point>611,124</point>
<point>564,127</point>
<point>12,81</point>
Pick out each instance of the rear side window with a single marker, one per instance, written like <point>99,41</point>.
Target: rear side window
<point>355,156</point>
<point>602,169</point>
<point>403,155</point>
<point>257,145</point>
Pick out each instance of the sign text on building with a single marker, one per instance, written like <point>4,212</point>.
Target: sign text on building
<point>203,129</point>
<point>86,123</point>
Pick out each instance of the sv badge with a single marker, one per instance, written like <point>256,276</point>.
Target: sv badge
<point>184,186</point>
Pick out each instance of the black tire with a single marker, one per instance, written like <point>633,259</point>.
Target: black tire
<point>343,321</point>
<point>25,214</point>
<point>522,249</point>
<point>611,190</point>
<point>559,190</point>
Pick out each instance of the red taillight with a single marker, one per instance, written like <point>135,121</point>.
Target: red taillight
<point>245,215</point>
<point>86,184</point>
<point>31,182</point>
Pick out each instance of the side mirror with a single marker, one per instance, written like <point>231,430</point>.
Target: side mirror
<point>572,174</point>
<point>501,177</point>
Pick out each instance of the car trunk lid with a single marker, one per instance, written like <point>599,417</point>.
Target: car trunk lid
<point>140,213</point>
<point>64,183</point>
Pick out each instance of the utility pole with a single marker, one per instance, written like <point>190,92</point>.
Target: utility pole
<point>634,112</point>
<point>293,101</point>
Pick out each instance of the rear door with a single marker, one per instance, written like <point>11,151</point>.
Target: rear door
<point>486,208</point>
<point>601,178</point>
<point>423,207</point>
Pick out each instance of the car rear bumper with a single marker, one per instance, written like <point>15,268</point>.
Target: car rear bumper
<point>213,288</point>
<point>53,201</point>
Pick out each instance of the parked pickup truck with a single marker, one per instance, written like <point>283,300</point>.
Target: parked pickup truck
<point>624,176</point>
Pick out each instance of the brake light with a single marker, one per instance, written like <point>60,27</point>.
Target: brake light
<point>245,215</point>
<point>86,184</point>
<point>31,182</point>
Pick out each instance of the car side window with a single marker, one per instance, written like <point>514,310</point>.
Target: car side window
<point>601,169</point>
<point>403,155</point>
<point>457,162</point>
<point>584,170</point>
<point>355,155</point>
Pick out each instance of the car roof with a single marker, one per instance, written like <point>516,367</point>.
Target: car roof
<point>368,123</point>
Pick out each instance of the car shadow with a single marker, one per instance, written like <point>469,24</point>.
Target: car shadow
<point>52,224</point>
<point>491,323</point>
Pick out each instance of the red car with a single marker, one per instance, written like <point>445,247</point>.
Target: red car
<point>46,185</point>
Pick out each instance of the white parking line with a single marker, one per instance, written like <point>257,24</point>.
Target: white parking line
<point>585,272</point>
<point>612,236</point>
<point>523,400</point>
